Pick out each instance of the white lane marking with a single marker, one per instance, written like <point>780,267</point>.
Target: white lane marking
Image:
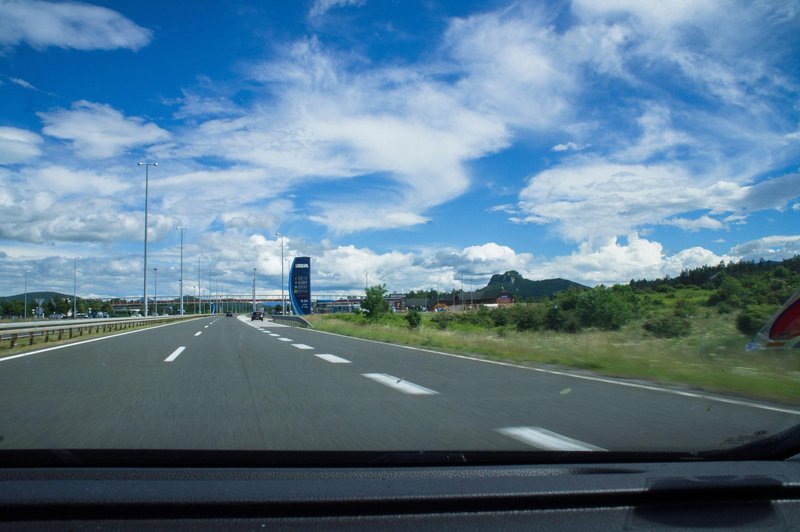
<point>652,388</point>
<point>302,346</point>
<point>198,333</point>
<point>285,339</point>
<point>206,327</point>
<point>72,344</point>
<point>274,334</point>
<point>333,359</point>
<point>175,354</point>
<point>399,384</point>
<point>547,440</point>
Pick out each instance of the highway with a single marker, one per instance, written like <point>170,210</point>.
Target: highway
<point>228,383</point>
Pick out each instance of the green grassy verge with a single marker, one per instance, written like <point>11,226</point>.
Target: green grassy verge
<point>712,357</point>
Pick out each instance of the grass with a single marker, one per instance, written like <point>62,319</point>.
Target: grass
<point>711,358</point>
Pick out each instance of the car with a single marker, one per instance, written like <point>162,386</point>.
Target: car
<point>229,314</point>
<point>257,316</point>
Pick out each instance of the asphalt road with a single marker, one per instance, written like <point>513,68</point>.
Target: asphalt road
<point>227,383</point>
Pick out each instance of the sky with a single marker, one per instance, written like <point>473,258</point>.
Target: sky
<point>415,143</point>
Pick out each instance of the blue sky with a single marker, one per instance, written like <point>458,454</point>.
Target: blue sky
<point>428,143</point>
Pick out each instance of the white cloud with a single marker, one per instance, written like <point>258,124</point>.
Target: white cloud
<point>703,222</point>
<point>611,262</point>
<point>22,83</point>
<point>776,247</point>
<point>18,145</point>
<point>320,7</point>
<point>567,146</point>
<point>597,199</point>
<point>99,131</point>
<point>68,25</point>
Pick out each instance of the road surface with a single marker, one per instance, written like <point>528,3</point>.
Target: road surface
<point>228,383</point>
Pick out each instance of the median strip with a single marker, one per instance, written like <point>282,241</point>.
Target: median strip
<point>547,440</point>
<point>399,384</point>
<point>175,354</point>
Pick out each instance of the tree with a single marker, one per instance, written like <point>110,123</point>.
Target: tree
<point>374,303</point>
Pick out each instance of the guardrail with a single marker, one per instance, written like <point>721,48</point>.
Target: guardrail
<point>293,320</point>
<point>11,337</point>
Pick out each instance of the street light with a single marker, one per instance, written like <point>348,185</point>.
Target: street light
<point>155,288</point>
<point>283,304</point>
<point>75,289</point>
<point>366,280</point>
<point>146,190</point>
<point>182,229</point>
<point>254,289</point>
<point>25,315</point>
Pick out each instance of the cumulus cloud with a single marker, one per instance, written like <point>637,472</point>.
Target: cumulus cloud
<point>98,131</point>
<point>777,247</point>
<point>68,25</point>
<point>18,145</point>
<point>612,261</point>
<point>597,199</point>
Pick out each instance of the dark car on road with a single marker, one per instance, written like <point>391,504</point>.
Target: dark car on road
<point>257,316</point>
<point>229,314</point>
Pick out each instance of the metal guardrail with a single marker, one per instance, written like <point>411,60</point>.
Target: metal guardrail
<point>54,331</point>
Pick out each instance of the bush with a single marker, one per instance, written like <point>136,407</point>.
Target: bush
<point>413,318</point>
<point>668,326</point>
<point>602,308</point>
<point>750,320</point>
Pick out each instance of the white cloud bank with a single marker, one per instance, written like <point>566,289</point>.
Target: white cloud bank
<point>67,25</point>
<point>98,131</point>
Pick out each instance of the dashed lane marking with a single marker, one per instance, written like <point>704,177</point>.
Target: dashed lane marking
<point>198,333</point>
<point>547,440</point>
<point>302,346</point>
<point>175,354</point>
<point>399,384</point>
<point>333,359</point>
<point>285,339</point>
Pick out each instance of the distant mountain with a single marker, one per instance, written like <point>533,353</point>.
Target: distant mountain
<point>520,287</point>
<point>47,296</point>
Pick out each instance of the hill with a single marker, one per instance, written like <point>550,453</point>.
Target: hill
<point>47,296</point>
<point>521,288</point>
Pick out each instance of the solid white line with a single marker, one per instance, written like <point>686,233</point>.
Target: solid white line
<point>547,440</point>
<point>399,384</point>
<point>198,333</point>
<point>302,346</point>
<point>333,359</point>
<point>651,388</point>
<point>285,339</point>
<point>72,344</point>
<point>175,354</point>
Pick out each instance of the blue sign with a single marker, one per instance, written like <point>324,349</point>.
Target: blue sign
<point>300,285</point>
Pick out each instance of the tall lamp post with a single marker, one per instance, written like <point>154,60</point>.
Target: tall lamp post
<point>75,289</point>
<point>283,304</point>
<point>182,229</point>
<point>254,289</point>
<point>155,289</point>
<point>25,316</point>
<point>146,191</point>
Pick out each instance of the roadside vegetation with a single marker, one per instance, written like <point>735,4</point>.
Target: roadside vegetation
<point>691,330</point>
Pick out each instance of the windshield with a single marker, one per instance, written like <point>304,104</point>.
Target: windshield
<point>359,225</point>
